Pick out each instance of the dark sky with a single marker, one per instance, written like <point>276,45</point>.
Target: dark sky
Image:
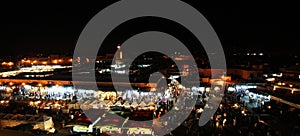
<point>54,28</point>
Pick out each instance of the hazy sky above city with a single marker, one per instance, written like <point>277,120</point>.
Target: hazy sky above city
<point>55,27</point>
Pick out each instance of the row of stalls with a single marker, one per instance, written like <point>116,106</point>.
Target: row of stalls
<point>116,126</point>
<point>38,91</point>
<point>141,106</point>
<point>107,104</point>
<point>113,126</point>
<point>66,92</point>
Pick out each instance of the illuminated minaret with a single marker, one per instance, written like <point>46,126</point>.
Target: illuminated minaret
<point>119,56</point>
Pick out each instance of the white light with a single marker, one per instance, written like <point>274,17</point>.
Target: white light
<point>217,88</point>
<point>27,87</point>
<point>202,89</point>
<point>200,110</point>
<point>244,87</point>
<point>120,71</point>
<point>207,89</point>
<point>224,121</point>
<point>270,79</point>
<point>231,89</point>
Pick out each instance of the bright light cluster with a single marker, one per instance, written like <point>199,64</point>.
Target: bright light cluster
<point>32,69</point>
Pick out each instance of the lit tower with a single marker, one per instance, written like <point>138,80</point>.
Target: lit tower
<point>119,56</point>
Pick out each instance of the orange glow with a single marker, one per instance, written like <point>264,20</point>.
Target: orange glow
<point>44,62</point>
<point>70,60</point>
<point>179,58</point>
<point>10,63</point>
<point>40,85</point>
<point>10,83</point>
<point>34,61</point>
<point>60,60</point>
<point>7,63</point>
<point>54,61</point>
<point>23,84</point>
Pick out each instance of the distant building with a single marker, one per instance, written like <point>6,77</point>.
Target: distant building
<point>50,60</point>
<point>246,74</point>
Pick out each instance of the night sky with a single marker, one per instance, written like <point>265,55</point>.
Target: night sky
<point>53,28</point>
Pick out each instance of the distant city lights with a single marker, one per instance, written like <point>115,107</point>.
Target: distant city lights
<point>32,69</point>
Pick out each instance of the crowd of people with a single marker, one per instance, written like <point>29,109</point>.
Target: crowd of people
<point>234,117</point>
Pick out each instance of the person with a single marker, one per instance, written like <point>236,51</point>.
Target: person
<point>158,116</point>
